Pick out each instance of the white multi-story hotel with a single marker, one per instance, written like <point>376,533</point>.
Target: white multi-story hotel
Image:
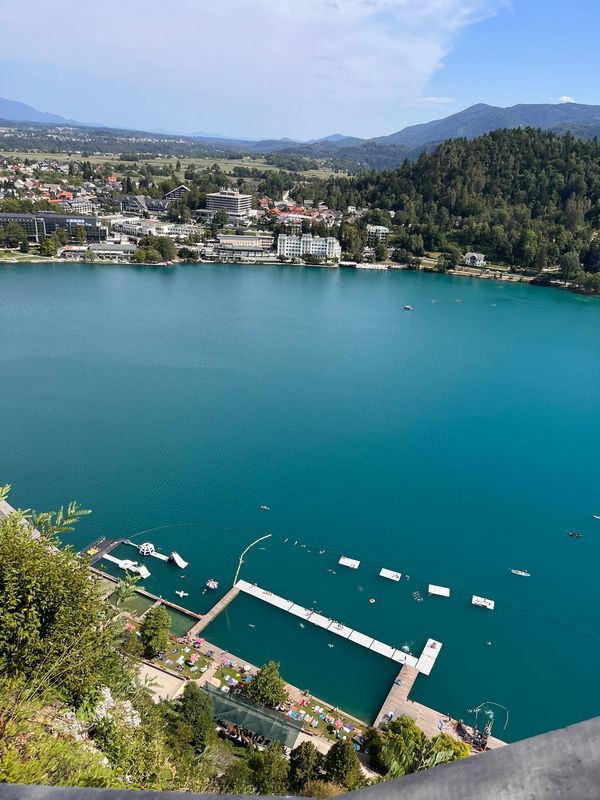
<point>229,200</point>
<point>377,233</point>
<point>308,245</point>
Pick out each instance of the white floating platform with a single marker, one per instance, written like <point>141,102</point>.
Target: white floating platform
<point>320,620</point>
<point>277,601</point>
<point>484,602</point>
<point>349,562</point>
<point>390,574</point>
<point>249,588</point>
<point>424,663</point>
<point>341,630</point>
<point>427,659</point>
<point>382,649</point>
<point>300,611</point>
<point>400,656</point>
<point>128,565</point>
<point>360,638</point>
<point>442,591</point>
<point>432,648</point>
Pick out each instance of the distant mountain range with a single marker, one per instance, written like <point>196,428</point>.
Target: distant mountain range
<point>481,118</point>
<point>20,112</point>
<point>381,151</point>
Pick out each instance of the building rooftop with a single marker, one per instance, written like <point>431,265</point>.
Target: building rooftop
<point>235,710</point>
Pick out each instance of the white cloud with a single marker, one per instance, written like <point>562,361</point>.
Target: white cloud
<point>276,67</point>
<point>429,101</point>
<point>566,99</point>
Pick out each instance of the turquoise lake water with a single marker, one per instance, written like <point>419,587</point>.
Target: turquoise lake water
<point>451,443</point>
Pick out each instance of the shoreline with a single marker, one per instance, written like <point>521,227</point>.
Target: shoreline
<point>505,277</point>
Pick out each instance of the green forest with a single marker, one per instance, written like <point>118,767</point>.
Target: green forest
<point>523,197</point>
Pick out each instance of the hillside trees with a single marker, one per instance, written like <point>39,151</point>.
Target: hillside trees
<point>520,196</point>
<point>54,632</point>
<point>154,631</point>
<point>267,687</point>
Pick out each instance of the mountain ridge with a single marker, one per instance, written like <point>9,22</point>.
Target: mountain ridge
<point>379,152</point>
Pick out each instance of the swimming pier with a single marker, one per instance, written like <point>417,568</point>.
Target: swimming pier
<point>423,664</point>
<point>207,618</point>
<point>430,721</point>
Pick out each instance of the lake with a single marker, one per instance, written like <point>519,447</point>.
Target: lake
<point>451,443</point>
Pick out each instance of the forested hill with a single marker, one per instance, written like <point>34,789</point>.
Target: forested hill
<point>520,196</point>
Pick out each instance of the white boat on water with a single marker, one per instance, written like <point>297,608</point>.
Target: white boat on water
<point>181,593</point>
<point>211,583</point>
<point>408,308</point>
<point>265,508</point>
<point>525,573</point>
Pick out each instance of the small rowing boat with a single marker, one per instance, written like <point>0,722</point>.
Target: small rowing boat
<point>408,308</point>
<point>525,573</point>
<point>574,535</point>
<point>265,508</point>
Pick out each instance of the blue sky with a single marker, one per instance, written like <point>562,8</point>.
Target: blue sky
<point>308,68</point>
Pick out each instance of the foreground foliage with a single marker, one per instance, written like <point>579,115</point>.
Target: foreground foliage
<point>268,688</point>
<point>402,748</point>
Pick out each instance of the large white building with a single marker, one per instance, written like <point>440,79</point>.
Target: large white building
<point>229,200</point>
<point>377,233</point>
<point>326,247</point>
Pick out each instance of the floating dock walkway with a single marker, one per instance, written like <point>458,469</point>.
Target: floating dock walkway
<point>422,664</point>
<point>214,611</point>
<point>430,721</point>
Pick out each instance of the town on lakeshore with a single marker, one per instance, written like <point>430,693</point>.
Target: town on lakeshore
<point>166,211</point>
